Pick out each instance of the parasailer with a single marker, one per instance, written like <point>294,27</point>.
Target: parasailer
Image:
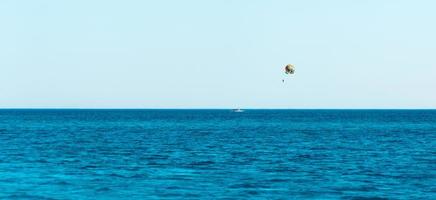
<point>289,69</point>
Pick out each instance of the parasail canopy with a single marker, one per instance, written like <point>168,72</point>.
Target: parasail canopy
<point>289,69</point>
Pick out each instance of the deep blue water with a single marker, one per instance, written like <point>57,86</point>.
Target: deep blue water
<point>217,154</point>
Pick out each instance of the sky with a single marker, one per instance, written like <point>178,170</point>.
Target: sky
<point>217,54</point>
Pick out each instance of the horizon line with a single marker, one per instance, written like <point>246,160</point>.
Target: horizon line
<point>187,108</point>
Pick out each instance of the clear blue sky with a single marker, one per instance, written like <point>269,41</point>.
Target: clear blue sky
<point>217,54</point>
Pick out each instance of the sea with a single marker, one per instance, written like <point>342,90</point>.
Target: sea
<point>116,154</point>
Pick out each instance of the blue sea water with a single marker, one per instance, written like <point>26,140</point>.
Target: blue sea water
<point>217,154</point>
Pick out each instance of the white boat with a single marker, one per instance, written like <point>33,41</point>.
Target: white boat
<point>237,110</point>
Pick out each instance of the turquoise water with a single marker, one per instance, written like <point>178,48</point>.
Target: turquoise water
<point>217,154</point>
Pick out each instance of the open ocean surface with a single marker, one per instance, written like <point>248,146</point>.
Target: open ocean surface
<point>217,154</point>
